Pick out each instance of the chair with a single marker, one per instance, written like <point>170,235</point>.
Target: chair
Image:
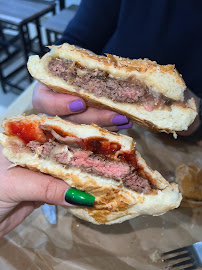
<point>16,15</point>
<point>56,25</point>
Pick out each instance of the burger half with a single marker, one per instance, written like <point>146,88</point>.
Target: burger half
<point>150,94</point>
<point>91,159</point>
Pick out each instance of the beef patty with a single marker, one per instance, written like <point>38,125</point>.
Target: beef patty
<point>100,83</point>
<point>87,161</point>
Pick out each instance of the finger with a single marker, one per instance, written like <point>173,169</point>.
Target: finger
<point>38,204</point>
<point>33,186</point>
<point>20,184</point>
<point>117,128</point>
<point>127,126</point>
<point>103,118</point>
<point>14,218</point>
<point>112,128</point>
<point>46,101</point>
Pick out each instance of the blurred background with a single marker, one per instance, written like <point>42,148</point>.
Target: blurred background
<point>26,27</point>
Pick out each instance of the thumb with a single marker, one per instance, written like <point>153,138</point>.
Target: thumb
<point>26,185</point>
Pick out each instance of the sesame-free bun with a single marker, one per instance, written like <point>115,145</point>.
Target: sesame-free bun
<point>162,79</point>
<point>114,203</point>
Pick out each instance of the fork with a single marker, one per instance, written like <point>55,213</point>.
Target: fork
<point>191,255</point>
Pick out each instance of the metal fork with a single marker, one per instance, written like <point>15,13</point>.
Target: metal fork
<point>191,255</point>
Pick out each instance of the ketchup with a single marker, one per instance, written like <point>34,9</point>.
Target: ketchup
<point>100,146</point>
<point>129,158</point>
<point>27,131</point>
<point>108,149</point>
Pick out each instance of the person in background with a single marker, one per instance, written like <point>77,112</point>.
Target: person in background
<point>162,30</point>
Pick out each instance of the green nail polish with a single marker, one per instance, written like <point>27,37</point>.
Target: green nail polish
<point>78,197</point>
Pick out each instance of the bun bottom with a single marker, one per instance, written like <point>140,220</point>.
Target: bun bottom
<point>113,202</point>
<point>169,120</point>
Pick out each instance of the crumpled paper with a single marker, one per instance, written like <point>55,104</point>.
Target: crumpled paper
<point>74,244</point>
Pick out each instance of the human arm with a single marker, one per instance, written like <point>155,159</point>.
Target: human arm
<point>22,190</point>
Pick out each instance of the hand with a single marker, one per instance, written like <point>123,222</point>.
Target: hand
<point>22,190</point>
<point>73,108</point>
<point>194,126</point>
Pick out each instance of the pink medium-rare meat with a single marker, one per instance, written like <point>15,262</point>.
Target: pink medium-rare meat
<point>82,159</point>
<point>111,169</point>
<point>99,82</point>
<point>87,161</point>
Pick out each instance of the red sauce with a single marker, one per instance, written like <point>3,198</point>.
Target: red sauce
<point>129,158</point>
<point>108,149</point>
<point>100,146</point>
<point>27,131</point>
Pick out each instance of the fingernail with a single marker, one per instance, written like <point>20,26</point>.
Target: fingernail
<point>129,125</point>
<point>78,197</point>
<point>119,119</point>
<point>76,106</point>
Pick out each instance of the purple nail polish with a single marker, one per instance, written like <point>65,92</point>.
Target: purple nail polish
<point>129,125</point>
<point>119,119</point>
<point>76,106</point>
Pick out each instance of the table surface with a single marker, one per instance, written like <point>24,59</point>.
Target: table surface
<point>20,11</point>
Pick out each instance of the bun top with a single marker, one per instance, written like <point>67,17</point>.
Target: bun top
<point>164,79</point>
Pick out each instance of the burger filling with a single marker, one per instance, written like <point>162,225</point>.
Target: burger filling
<point>96,155</point>
<point>88,161</point>
<point>101,84</point>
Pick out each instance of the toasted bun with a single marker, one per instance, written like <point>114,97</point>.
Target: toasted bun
<point>189,179</point>
<point>163,79</point>
<point>113,202</point>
